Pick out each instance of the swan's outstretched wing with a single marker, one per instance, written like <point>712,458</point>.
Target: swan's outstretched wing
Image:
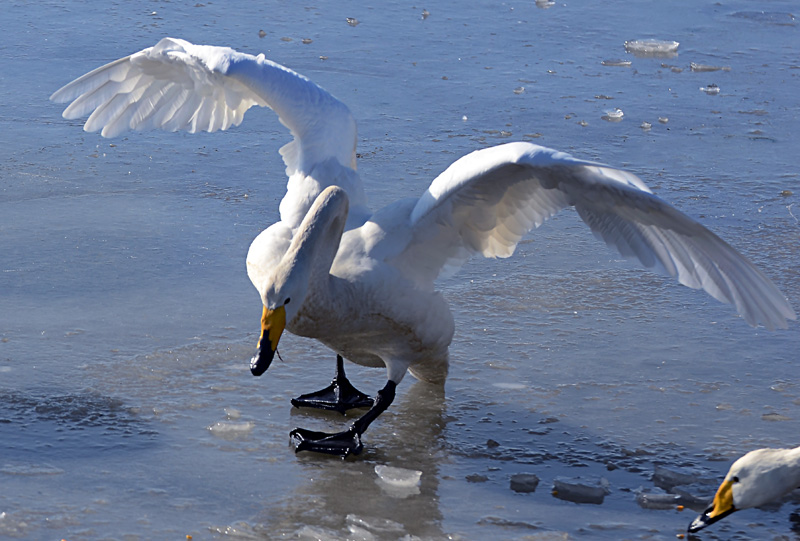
<point>176,85</point>
<point>486,201</point>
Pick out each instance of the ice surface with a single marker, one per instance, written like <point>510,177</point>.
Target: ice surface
<point>30,469</point>
<point>156,228</point>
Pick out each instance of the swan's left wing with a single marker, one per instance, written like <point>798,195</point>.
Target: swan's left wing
<point>486,201</point>
<point>177,85</point>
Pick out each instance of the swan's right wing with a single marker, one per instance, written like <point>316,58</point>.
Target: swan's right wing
<point>488,200</point>
<point>176,85</point>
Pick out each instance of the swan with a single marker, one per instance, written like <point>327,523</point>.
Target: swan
<point>759,477</point>
<point>362,282</point>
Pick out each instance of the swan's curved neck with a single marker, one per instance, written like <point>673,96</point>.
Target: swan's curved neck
<point>316,241</point>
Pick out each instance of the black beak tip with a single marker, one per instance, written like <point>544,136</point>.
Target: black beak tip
<point>697,525</point>
<point>259,365</point>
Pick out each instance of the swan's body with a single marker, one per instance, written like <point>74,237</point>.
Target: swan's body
<point>759,477</point>
<point>361,282</point>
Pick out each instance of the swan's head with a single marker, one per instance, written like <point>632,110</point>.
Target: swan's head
<point>303,270</point>
<point>757,478</point>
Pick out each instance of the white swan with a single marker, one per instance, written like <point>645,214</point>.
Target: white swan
<point>363,283</point>
<point>757,478</point>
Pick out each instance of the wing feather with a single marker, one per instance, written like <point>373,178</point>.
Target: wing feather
<point>488,200</point>
<point>176,85</point>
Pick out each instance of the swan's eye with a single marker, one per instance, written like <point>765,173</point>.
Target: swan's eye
<point>735,479</point>
<point>287,300</point>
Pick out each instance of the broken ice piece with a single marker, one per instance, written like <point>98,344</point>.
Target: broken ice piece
<point>581,490</point>
<point>616,63</point>
<point>524,482</point>
<point>696,496</point>
<point>398,477</point>
<point>656,499</point>
<point>374,524</point>
<point>613,115</point>
<point>705,67</point>
<point>652,48</point>
<point>667,477</point>
<point>227,429</point>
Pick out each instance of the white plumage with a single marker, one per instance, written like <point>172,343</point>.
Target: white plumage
<point>373,299</point>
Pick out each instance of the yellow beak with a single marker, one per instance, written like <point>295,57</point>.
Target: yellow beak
<point>273,322</point>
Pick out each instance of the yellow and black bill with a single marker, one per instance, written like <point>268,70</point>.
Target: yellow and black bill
<point>721,507</point>
<point>272,324</point>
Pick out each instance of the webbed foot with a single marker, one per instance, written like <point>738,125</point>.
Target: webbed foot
<point>348,442</point>
<point>340,444</point>
<point>339,396</point>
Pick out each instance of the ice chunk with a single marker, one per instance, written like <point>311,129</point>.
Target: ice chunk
<point>711,89</point>
<point>705,67</point>
<point>656,499</point>
<point>374,524</point>
<point>613,115</point>
<point>667,477</point>
<point>773,416</point>
<point>358,533</point>
<point>617,63</point>
<point>645,125</point>
<point>398,477</point>
<point>581,490</point>
<point>697,496</point>
<point>524,482</point>
<point>316,534</point>
<point>652,48</point>
<point>227,429</point>
<point>398,482</point>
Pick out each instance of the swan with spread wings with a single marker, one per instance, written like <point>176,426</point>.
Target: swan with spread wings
<point>362,282</point>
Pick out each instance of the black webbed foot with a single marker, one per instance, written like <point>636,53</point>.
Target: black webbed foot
<point>348,442</point>
<point>339,396</point>
<point>340,444</point>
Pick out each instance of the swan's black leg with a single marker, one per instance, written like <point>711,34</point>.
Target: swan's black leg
<point>349,441</point>
<point>339,396</point>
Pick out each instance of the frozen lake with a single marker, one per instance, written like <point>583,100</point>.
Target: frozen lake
<point>127,410</point>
